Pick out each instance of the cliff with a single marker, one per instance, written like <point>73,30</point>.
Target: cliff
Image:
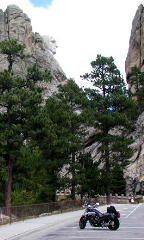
<point>14,24</point>
<point>134,173</point>
<point>135,57</point>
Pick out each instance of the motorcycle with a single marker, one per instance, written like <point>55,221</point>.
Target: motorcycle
<point>98,219</point>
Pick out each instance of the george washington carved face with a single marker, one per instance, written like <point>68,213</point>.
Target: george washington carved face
<point>50,44</point>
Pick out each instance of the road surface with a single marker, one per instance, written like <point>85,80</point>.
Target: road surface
<point>131,228</point>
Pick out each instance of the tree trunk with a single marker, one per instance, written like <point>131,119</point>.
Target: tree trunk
<point>10,60</point>
<point>8,188</point>
<point>73,177</point>
<point>53,195</point>
<point>108,179</point>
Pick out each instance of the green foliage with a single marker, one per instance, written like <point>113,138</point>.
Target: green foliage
<point>137,82</point>
<point>72,95</point>
<point>11,47</point>
<point>112,112</point>
<point>13,50</point>
<point>105,76</point>
<point>88,176</point>
<point>20,102</point>
<point>58,133</point>
<point>23,197</point>
<point>118,182</point>
<point>37,140</point>
<point>35,74</point>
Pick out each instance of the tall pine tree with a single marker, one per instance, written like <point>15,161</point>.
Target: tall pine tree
<point>112,112</point>
<point>62,111</point>
<point>20,100</point>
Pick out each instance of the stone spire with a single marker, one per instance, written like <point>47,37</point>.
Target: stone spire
<point>134,173</point>
<point>135,56</point>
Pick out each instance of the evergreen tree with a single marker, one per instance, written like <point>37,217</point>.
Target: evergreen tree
<point>136,80</point>
<point>51,140</point>
<point>20,101</point>
<point>89,176</point>
<point>61,142</point>
<point>112,112</point>
<point>117,181</point>
<point>13,51</point>
<point>75,99</point>
<point>28,175</point>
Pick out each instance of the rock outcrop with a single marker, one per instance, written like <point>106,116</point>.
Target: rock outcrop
<point>134,173</point>
<point>135,57</point>
<point>14,24</point>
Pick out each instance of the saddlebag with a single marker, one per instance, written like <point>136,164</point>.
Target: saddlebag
<point>112,209</point>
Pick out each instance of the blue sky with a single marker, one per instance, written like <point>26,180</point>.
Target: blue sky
<point>41,3</point>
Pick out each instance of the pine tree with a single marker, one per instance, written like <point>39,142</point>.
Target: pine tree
<point>111,109</point>
<point>136,80</point>
<point>61,142</point>
<point>20,100</point>
<point>13,51</point>
<point>117,181</point>
<point>75,99</point>
<point>89,176</point>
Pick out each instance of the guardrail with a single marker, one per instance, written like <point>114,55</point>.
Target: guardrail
<point>117,199</point>
<point>17,213</point>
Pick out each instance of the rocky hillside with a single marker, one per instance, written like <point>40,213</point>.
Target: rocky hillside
<point>135,57</point>
<point>14,24</point>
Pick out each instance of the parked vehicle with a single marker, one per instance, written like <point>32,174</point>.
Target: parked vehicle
<point>98,219</point>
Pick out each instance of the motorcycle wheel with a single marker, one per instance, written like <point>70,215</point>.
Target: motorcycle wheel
<point>114,224</point>
<point>82,223</point>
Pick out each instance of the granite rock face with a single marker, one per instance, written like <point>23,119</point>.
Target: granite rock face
<point>14,24</point>
<point>135,57</point>
<point>135,171</point>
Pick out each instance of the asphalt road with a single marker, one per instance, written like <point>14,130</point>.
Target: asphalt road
<point>131,227</point>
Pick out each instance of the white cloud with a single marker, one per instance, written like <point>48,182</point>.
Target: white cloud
<point>83,29</point>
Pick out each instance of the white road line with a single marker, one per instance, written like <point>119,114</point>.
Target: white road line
<point>98,228</point>
<point>83,237</point>
<point>133,210</point>
<point>131,227</point>
<point>102,231</point>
